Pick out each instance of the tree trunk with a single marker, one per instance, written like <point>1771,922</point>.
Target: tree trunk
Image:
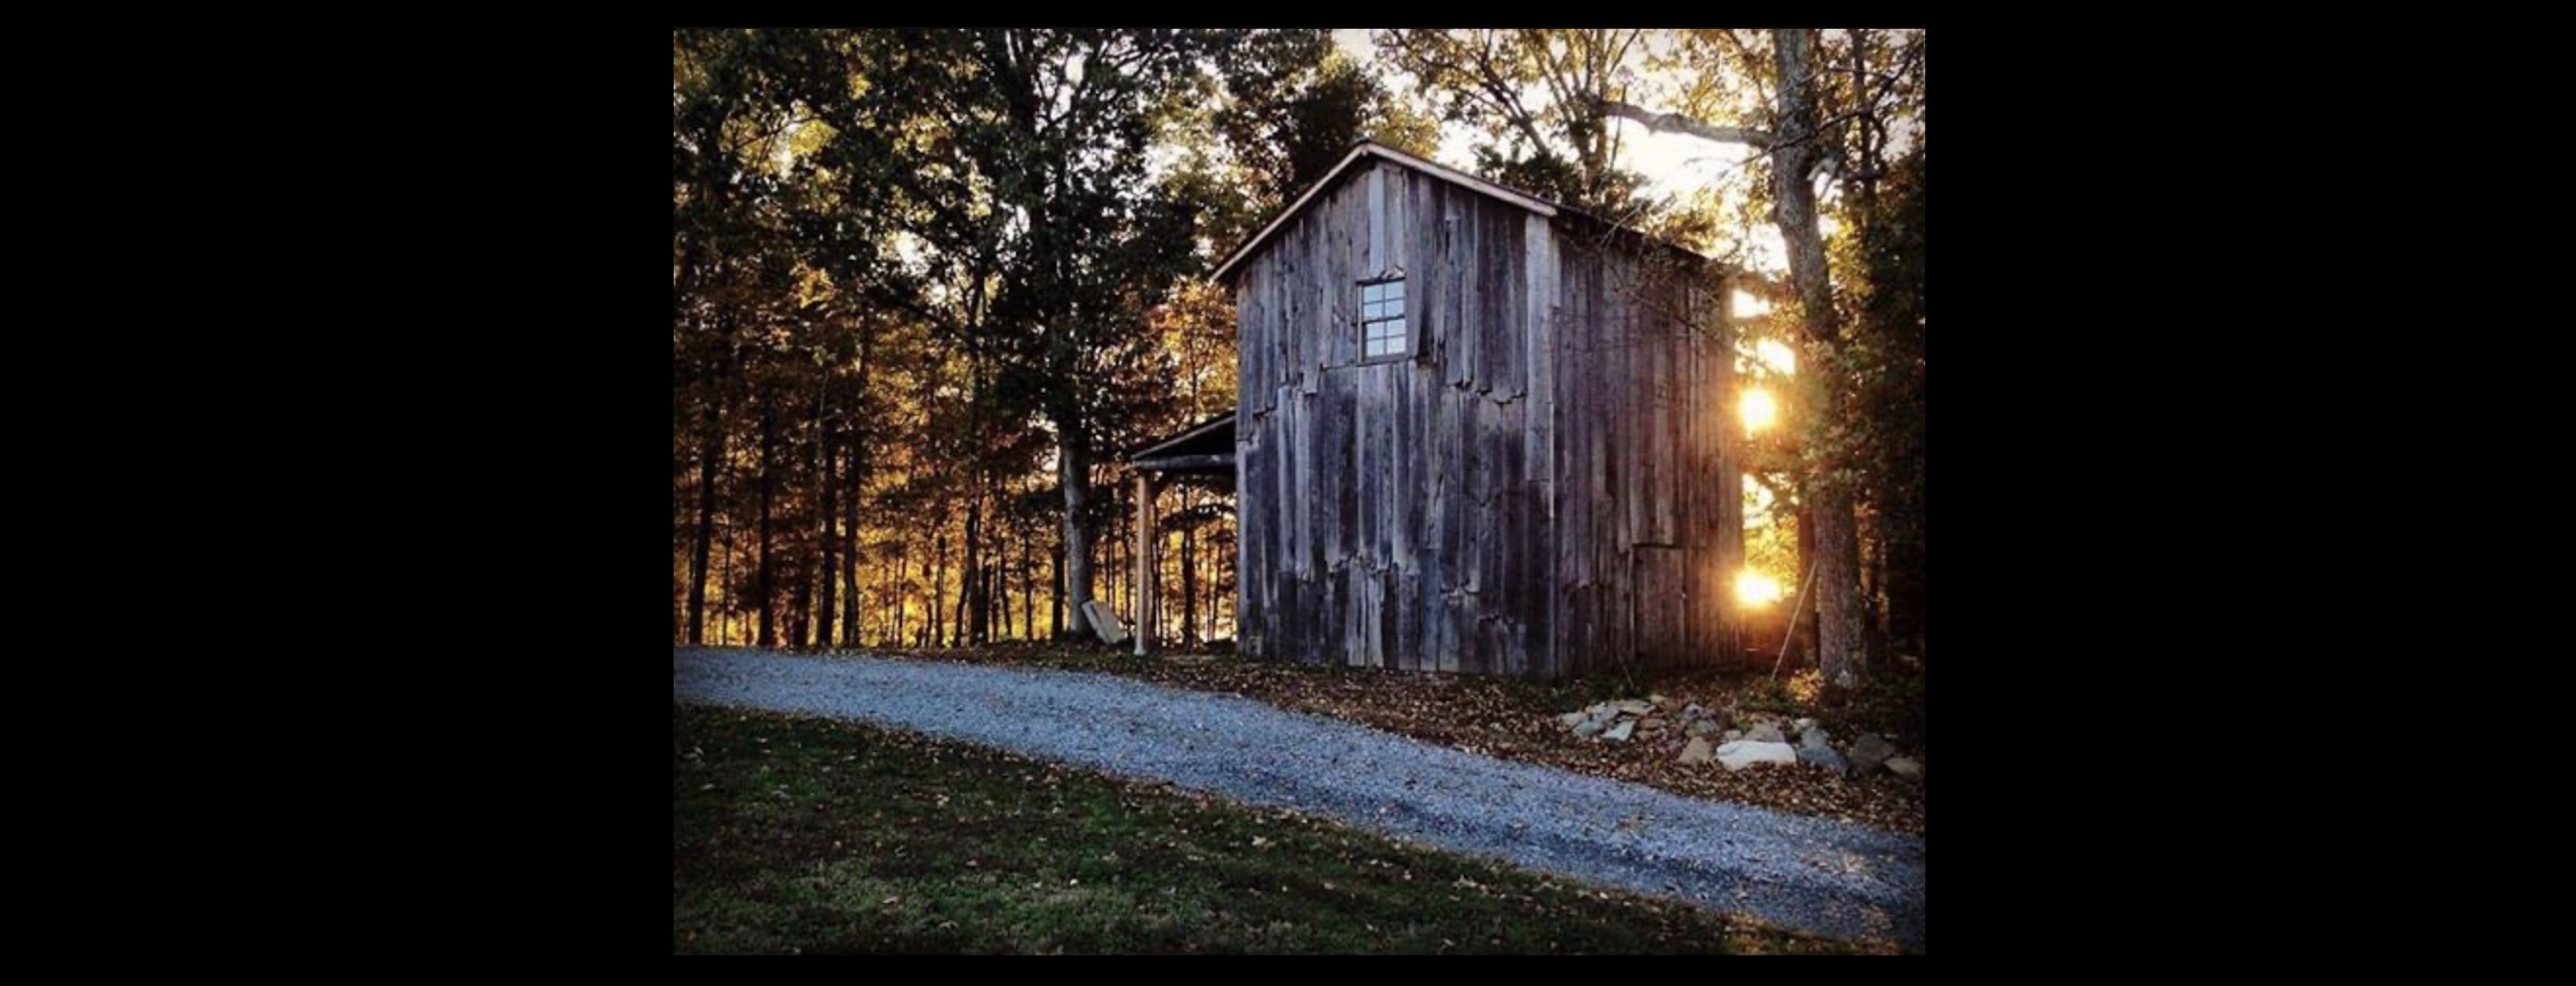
<point>1028,588</point>
<point>902,586</point>
<point>1873,559</point>
<point>938,621</point>
<point>1840,627</point>
<point>851,488</point>
<point>710,459</point>
<point>768,488</point>
<point>732,561</point>
<point>799,618</point>
<point>985,569</point>
<point>800,612</point>
<point>997,584</point>
<point>851,621</point>
<point>827,475</point>
<point>1148,624</point>
<point>972,619</point>
<point>1189,585</point>
<point>1073,473</point>
<point>1801,619</point>
<point>958,616</point>
<point>1122,568</point>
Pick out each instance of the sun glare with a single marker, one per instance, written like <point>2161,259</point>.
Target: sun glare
<point>1756,589</point>
<point>1750,305</point>
<point>1777,357</point>
<point>1758,410</point>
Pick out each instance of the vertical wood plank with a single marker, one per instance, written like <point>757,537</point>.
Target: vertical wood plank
<point>1538,240</point>
<point>1377,254</point>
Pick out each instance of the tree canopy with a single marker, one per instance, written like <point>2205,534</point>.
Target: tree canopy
<point>928,285</point>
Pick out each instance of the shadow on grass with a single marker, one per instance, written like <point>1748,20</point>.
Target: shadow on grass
<point>808,835</point>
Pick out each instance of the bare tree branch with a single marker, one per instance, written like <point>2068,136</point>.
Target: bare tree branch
<point>1677,123</point>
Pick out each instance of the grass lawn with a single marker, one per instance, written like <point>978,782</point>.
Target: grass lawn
<point>807,835</point>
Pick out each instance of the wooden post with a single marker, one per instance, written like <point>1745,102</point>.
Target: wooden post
<point>1144,562</point>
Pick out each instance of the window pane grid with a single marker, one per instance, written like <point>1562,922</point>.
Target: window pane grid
<point>1382,319</point>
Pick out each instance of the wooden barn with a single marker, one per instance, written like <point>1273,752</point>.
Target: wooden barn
<point>1477,431</point>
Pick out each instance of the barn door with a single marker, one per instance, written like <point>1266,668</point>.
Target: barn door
<point>1662,600</point>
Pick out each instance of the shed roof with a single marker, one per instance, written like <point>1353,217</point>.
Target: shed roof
<point>1203,448</point>
<point>1214,427</point>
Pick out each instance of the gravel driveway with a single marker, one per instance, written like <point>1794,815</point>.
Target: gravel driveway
<point>1819,875</point>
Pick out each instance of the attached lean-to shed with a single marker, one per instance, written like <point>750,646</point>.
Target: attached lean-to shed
<point>1479,432</point>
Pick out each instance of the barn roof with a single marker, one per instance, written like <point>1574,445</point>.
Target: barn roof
<point>1372,149</point>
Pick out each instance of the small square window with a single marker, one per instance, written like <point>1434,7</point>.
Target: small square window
<point>1382,319</point>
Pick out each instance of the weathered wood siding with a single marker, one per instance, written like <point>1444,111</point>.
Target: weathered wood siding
<point>1533,491</point>
<point>1649,500</point>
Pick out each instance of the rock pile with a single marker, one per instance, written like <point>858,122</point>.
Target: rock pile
<point>1619,720</point>
<point>1713,735</point>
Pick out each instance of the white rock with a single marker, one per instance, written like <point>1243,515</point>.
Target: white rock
<point>1745,753</point>
<point>1621,732</point>
<point>1572,719</point>
<point>1905,767</point>
<point>1801,725</point>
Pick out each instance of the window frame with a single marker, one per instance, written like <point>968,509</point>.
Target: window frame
<point>1402,319</point>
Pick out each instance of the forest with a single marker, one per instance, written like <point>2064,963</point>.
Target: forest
<point>929,286</point>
